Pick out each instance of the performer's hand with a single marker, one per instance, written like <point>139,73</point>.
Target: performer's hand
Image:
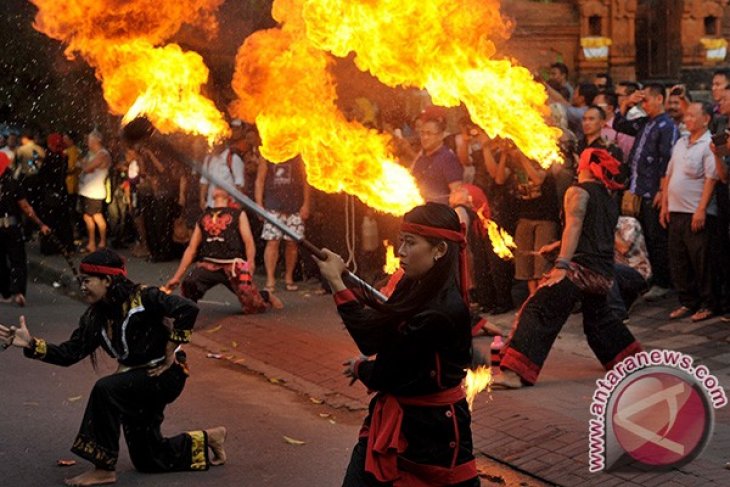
<point>658,200</point>
<point>171,285</point>
<point>331,268</point>
<point>45,230</point>
<point>553,277</point>
<point>546,250</point>
<point>19,337</point>
<point>351,368</point>
<point>165,364</point>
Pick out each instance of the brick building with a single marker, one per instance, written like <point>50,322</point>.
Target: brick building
<point>649,39</point>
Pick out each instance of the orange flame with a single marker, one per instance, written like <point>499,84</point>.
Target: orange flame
<point>139,76</point>
<point>502,242</point>
<point>476,381</point>
<point>445,47</point>
<point>392,263</point>
<point>283,84</point>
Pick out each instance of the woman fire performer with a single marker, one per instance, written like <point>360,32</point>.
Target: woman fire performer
<point>142,328</point>
<point>418,431</point>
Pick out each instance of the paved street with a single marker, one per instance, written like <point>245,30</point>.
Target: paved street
<point>539,431</point>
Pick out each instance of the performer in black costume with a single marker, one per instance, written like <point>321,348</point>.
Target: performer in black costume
<point>418,430</point>
<point>142,328</point>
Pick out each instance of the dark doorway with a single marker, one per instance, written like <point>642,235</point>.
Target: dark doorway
<point>658,39</point>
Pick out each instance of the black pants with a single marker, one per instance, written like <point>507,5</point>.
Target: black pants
<point>690,260</point>
<point>657,243</point>
<point>356,476</point>
<point>135,401</point>
<point>13,262</point>
<point>543,316</point>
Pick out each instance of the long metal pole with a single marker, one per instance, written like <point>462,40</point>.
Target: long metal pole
<point>244,200</point>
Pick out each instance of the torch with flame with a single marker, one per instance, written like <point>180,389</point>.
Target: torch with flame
<point>392,263</point>
<point>502,242</point>
<point>283,83</point>
<point>447,48</point>
<point>139,73</point>
<point>476,381</point>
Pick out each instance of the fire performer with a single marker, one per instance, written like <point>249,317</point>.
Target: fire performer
<point>218,242</point>
<point>418,431</point>
<point>583,272</point>
<point>142,328</point>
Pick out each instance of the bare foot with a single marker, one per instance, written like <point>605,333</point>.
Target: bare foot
<point>507,379</point>
<point>93,477</point>
<point>216,438</point>
<point>276,303</point>
<point>19,299</point>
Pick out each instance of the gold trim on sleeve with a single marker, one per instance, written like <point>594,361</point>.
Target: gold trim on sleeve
<point>180,336</point>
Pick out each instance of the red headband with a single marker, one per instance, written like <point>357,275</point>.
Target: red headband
<point>452,236</point>
<point>598,162</point>
<point>102,269</point>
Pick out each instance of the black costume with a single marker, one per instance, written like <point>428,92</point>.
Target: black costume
<point>417,374</point>
<point>136,334</point>
<point>220,261</point>
<point>589,279</point>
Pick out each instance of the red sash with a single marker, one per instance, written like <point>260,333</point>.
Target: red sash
<point>385,443</point>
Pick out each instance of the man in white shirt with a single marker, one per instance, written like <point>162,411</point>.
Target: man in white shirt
<point>688,209</point>
<point>226,166</point>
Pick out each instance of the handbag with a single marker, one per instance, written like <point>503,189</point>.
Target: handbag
<point>630,204</point>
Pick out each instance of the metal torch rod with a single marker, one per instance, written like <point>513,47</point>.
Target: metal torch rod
<point>244,200</point>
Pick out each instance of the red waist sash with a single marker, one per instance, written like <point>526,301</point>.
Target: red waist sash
<point>385,443</point>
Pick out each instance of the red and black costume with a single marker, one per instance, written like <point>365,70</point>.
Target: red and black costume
<point>136,333</point>
<point>220,261</point>
<point>589,277</point>
<point>418,430</point>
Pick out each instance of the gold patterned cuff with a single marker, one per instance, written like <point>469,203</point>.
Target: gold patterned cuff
<point>180,336</point>
<point>199,449</point>
<point>39,348</point>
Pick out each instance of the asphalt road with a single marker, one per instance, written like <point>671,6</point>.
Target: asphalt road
<point>41,407</point>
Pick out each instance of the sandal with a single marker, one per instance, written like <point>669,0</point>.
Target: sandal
<point>270,288</point>
<point>680,312</point>
<point>702,315</point>
<point>501,383</point>
<point>290,286</point>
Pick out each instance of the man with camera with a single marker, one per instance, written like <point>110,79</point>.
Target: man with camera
<point>655,137</point>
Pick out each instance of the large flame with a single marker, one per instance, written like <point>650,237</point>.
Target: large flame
<point>124,42</point>
<point>476,381</point>
<point>284,85</point>
<point>445,47</point>
<point>392,263</point>
<point>502,242</point>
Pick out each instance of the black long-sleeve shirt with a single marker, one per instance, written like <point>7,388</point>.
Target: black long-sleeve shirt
<point>138,335</point>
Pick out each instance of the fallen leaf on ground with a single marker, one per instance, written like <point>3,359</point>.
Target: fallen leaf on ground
<point>274,380</point>
<point>234,344</point>
<point>332,421</point>
<point>292,441</point>
<point>66,463</point>
<point>324,415</point>
<point>214,355</point>
<point>315,400</point>
<point>74,399</point>
<point>240,361</point>
<point>214,329</point>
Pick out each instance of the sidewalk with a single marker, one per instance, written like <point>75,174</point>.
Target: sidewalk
<point>541,430</point>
